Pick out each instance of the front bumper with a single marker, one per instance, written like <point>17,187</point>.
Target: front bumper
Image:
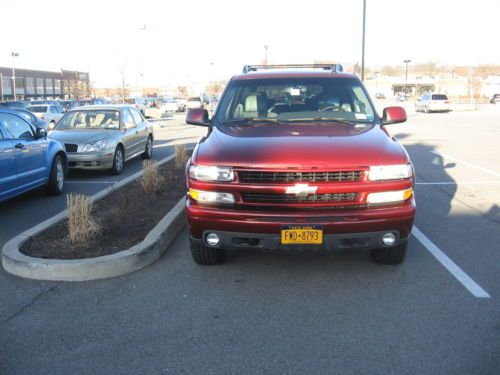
<point>360,228</point>
<point>91,161</point>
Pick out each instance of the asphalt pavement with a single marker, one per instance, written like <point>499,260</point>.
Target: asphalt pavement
<point>291,314</point>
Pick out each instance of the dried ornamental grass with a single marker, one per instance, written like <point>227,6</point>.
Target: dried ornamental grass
<point>150,178</point>
<point>180,157</point>
<point>81,226</point>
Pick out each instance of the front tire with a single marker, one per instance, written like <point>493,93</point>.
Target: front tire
<point>206,256</point>
<point>390,255</point>
<point>118,161</point>
<point>55,185</point>
<point>148,151</point>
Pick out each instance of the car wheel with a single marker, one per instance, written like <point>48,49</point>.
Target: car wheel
<point>55,185</point>
<point>206,256</point>
<point>118,161</point>
<point>148,152</point>
<point>426,109</point>
<point>390,255</point>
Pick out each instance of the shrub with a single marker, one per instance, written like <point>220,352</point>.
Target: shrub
<point>150,178</point>
<point>180,157</point>
<point>81,226</point>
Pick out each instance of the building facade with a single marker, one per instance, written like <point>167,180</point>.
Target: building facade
<point>39,84</point>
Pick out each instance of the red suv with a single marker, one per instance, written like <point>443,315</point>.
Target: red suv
<point>298,160</point>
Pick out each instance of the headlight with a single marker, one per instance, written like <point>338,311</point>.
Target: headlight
<point>211,197</point>
<point>97,146</point>
<point>211,173</point>
<point>389,196</point>
<point>390,172</point>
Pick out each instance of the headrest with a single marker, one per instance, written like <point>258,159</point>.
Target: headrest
<point>256,102</point>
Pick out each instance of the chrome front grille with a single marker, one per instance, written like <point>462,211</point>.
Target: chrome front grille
<point>284,177</point>
<point>289,198</point>
<point>70,147</point>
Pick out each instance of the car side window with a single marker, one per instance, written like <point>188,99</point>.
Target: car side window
<point>1,135</point>
<point>136,115</point>
<point>16,127</point>
<point>53,110</point>
<point>128,119</point>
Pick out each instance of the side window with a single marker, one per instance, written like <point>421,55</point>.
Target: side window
<point>137,116</point>
<point>18,128</point>
<point>127,118</point>
<point>53,110</point>
<point>1,135</point>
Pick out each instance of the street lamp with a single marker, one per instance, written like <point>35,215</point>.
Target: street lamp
<point>143,28</point>
<point>265,58</point>
<point>363,43</point>
<point>1,84</point>
<point>14,55</point>
<point>406,77</point>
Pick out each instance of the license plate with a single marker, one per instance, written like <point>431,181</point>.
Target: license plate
<point>301,234</point>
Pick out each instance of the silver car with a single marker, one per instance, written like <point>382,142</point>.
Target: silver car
<point>104,137</point>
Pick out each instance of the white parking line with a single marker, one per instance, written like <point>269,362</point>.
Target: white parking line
<point>460,183</point>
<point>447,263</point>
<point>467,163</point>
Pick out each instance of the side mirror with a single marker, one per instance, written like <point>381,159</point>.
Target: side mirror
<point>40,133</point>
<point>393,115</point>
<point>198,116</point>
<point>51,126</point>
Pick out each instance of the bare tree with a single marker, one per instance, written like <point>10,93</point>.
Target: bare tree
<point>123,91</point>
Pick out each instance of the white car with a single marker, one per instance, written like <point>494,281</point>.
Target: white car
<point>433,103</point>
<point>47,112</point>
<point>193,103</point>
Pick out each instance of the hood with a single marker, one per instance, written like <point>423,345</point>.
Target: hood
<point>81,136</point>
<point>299,146</point>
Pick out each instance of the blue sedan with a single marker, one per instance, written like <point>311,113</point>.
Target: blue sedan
<point>28,159</point>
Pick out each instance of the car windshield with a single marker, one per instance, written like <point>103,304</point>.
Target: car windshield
<point>295,100</point>
<point>439,97</point>
<point>104,119</point>
<point>38,109</point>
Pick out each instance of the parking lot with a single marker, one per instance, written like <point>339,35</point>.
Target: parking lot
<point>438,312</point>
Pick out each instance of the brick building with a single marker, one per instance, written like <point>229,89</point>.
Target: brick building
<point>31,84</point>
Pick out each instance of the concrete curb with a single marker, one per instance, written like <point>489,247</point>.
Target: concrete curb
<point>121,263</point>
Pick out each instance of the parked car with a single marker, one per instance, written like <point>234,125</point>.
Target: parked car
<point>138,103</point>
<point>193,103</point>
<point>104,137</point>
<point>379,95</point>
<point>495,98</point>
<point>15,104</point>
<point>32,119</point>
<point>433,103</point>
<point>87,102</point>
<point>50,113</point>
<point>173,105</point>
<point>28,159</point>
<point>298,162</point>
<point>66,104</point>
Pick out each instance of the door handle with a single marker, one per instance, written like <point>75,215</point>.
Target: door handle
<point>19,146</point>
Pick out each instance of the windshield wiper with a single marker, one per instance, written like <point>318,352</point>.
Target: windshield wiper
<point>252,119</point>
<point>327,119</point>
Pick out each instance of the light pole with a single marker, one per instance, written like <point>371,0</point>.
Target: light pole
<point>406,77</point>
<point>1,84</point>
<point>363,43</point>
<point>143,28</point>
<point>14,55</point>
<point>376,81</point>
<point>265,57</point>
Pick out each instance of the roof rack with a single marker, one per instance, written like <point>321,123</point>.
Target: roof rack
<point>335,68</point>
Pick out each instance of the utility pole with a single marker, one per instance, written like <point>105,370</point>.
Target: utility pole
<point>265,57</point>
<point>14,55</point>
<point>406,77</point>
<point>143,28</point>
<point>363,43</point>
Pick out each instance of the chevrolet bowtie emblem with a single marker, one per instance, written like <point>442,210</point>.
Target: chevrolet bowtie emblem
<point>301,190</point>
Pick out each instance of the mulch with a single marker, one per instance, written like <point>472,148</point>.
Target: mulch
<point>125,217</point>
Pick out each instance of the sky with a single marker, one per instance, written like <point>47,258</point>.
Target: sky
<point>194,40</point>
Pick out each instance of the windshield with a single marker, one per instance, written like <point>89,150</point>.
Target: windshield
<point>104,119</point>
<point>40,109</point>
<point>439,97</point>
<point>295,100</point>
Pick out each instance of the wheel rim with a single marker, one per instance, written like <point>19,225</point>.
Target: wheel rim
<point>119,160</point>
<point>59,175</point>
<point>149,147</point>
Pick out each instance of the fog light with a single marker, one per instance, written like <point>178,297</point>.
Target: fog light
<point>212,239</point>
<point>389,239</point>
